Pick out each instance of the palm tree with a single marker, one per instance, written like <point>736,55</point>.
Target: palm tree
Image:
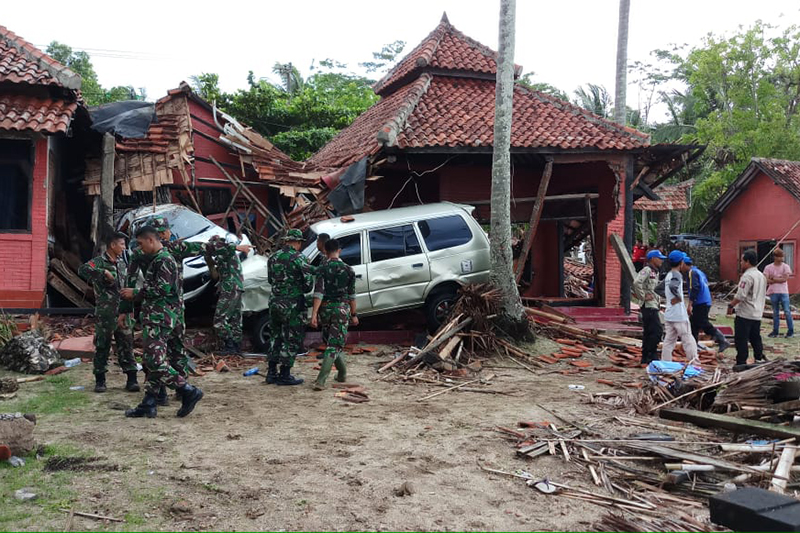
<point>622,62</point>
<point>594,98</point>
<point>291,80</point>
<point>512,317</point>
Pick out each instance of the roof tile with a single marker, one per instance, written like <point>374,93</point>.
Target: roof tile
<point>673,198</point>
<point>21,113</point>
<point>21,62</point>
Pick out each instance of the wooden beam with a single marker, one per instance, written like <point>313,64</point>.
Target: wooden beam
<point>639,177</point>
<point>738,425</point>
<point>64,289</point>
<point>784,469</point>
<point>536,214</point>
<point>107,180</point>
<point>65,272</point>
<point>624,258</point>
<point>552,198</point>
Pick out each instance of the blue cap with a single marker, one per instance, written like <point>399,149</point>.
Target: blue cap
<point>655,253</point>
<point>687,259</point>
<point>676,256</point>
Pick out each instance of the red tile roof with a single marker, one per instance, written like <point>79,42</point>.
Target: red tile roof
<point>784,173</point>
<point>27,113</point>
<point>445,48</point>
<point>442,95</point>
<point>21,62</point>
<point>673,198</point>
<point>444,111</point>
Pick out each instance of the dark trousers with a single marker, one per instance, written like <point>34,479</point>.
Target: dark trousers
<point>699,321</point>
<point>746,330</point>
<point>651,335</point>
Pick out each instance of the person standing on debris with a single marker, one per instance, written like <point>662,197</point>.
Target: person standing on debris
<point>778,274</point>
<point>107,272</point>
<point>700,305</point>
<point>676,319</point>
<point>230,286</point>
<point>334,308</point>
<point>644,288</point>
<point>160,317</point>
<point>290,277</point>
<point>749,306</point>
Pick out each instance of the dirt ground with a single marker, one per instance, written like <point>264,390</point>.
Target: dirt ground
<point>259,457</point>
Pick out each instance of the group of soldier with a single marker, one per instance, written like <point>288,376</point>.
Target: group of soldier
<point>159,257</point>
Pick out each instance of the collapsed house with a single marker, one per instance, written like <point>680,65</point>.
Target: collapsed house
<point>429,139</point>
<point>672,198</point>
<point>44,132</point>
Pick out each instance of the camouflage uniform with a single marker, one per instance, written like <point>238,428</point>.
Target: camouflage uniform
<point>107,310</point>
<point>336,287</point>
<point>290,276</point>
<point>228,314</point>
<point>180,250</point>
<point>161,316</point>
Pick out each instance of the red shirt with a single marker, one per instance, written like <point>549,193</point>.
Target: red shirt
<point>639,253</point>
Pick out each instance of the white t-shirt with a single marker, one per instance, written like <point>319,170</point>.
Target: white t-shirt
<point>673,288</point>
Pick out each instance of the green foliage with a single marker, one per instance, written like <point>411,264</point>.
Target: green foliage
<point>740,97</point>
<point>92,91</point>
<point>298,116</point>
<point>384,59</point>
<point>51,397</point>
<point>526,80</point>
<point>595,98</point>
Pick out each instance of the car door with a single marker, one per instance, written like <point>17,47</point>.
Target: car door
<point>399,271</point>
<point>353,254</point>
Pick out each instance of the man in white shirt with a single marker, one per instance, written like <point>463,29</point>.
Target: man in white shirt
<point>749,305</point>
<point>676,319</point>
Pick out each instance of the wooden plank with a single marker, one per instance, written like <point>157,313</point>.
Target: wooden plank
<point>64,289</point>
<point>784,469</point>
<point>713,420</point>
<point>66,273</point>
<point>682,455</point>
<point>624,257</point>
<point>536,214</point>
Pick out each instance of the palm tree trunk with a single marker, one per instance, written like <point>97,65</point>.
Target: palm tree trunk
<point>513,319</point>
<point>622,62</point>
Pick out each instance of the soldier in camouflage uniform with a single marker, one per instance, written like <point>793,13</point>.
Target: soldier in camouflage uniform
<point>107,275</point>
<point>334,308</point>
<point>160,316</point>
<point>228,314</point>
<point>322,238</point>
<point>290,276</point>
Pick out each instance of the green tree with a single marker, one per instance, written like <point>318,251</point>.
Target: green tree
<point>206,85</point>
<point>594,98</point>
<point>526,80</point>
<point>93,93</point>
<point>385,59</point>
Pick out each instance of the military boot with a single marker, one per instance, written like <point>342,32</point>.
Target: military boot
<point>146,408</point>
<point>100,382</point>
<point>189,397</point>
<point>272,372</point>
<point>230,347</point>
<point>162,398</point>
<point>285,378</point>
<point>132,385</point>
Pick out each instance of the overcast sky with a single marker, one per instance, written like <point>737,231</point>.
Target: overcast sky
<point>566,42</point>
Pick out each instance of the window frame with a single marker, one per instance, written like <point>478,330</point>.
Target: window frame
<point>790,260</point>
<point>360,236</point>
<point>27,168</point>
<point>414,230</point>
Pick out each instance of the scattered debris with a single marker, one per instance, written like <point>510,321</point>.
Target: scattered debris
<point>25,494</point>
<point>28,353</point>
<point>15,461</point>
<point>406,489</point>
<point>16,432</point>
<point>78,464</point>
<point>181,507</point>
<point>92,515</point>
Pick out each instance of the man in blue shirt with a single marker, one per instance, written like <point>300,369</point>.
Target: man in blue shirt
<point>700,305</point>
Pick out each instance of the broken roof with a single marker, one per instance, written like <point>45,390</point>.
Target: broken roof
<point>21,62</point>
<point>441,95</point>
<point>781,171</point>
<point>672,198</point>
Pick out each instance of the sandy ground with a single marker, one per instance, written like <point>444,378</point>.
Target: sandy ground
<point>258,457</point>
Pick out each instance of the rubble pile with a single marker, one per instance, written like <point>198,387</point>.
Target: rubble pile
<point>29,353</point>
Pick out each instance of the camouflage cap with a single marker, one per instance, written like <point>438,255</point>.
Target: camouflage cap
<point>293,235</point>
<point>160,223</point>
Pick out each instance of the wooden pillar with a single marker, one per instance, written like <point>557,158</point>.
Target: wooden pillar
<point>645,229</point>
<point>107,178</point>
<point>560,232</point>
<point>625,283</point>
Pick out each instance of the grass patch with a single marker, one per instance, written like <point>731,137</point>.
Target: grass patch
<point>53,490</point>
<point>51,397</point>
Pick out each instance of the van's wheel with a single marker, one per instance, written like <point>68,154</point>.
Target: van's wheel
<point>261,332</point>
<point>439,307</point>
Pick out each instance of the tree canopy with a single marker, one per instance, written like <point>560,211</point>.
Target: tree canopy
<point>93,93</point>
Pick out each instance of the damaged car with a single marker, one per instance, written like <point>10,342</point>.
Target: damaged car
<point>403,258</point>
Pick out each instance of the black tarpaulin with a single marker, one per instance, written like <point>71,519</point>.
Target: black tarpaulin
<point>129,119</point>
<point>348,196</point>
